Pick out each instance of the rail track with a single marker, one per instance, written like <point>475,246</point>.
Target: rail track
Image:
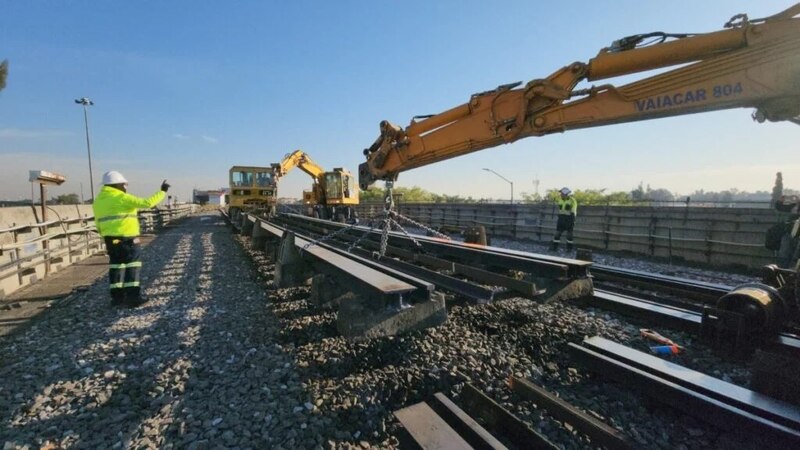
<point>485,274</point>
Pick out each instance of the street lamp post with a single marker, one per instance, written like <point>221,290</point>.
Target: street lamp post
<point>86,102</point>
<point>507,181</point>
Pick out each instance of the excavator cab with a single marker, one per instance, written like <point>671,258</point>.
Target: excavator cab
<point>340,187</point>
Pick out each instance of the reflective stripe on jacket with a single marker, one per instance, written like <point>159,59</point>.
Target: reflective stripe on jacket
<point>115,212</point>
<point>568,206</point>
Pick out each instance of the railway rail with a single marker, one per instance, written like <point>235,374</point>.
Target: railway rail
<point>480,274</point>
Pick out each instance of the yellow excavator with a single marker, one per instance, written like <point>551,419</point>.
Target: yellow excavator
<point>750,63</point>
<point>333,193</point>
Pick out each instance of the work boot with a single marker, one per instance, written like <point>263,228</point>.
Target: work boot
<point>554,247</point>
<point>569,246</point>
<point>118,301</point>
<point>136,302</point>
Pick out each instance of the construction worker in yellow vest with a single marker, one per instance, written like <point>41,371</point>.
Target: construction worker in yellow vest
<point>117,221</point>
<point>567,210</point>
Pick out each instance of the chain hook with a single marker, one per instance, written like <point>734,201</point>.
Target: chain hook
<point>737,21</point>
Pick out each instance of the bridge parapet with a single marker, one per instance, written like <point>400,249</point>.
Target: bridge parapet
<point>31,249</point>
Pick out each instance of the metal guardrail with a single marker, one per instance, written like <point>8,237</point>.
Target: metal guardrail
<point>61,241</point>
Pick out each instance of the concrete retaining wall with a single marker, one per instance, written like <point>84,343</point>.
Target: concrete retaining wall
<point>714,236</point>
<point>31,249</point>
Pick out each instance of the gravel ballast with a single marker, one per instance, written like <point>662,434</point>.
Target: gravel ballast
<point>219,358</point>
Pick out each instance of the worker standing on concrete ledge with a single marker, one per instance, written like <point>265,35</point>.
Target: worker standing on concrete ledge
<point>117,221</point>
<point>567,210</point>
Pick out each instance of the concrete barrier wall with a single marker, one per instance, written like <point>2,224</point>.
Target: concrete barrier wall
<point>714,236</point>
<point>28,254</point>
<point>32,248</point>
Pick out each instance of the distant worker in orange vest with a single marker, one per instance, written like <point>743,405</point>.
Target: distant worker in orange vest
<point>567,210</point>
<point>117,221</point>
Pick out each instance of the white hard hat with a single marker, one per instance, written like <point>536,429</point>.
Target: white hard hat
<point>113,177</point>
<point>565,190</point>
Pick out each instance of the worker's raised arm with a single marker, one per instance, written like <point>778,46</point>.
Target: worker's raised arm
<point>143,203</point>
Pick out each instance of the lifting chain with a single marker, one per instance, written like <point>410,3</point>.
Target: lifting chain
<point>389,220</point>
<point>424,227</point>
<point>388,207</point>
<point>330,236</point>
<point>361,238</point>
<point>387,226</point>
<point>408,235</point>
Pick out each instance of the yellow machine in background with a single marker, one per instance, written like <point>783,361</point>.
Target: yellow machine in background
<point>253,189</point>
<point>333,193</point>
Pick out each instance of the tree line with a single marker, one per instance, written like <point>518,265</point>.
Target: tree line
<point>640,194</point>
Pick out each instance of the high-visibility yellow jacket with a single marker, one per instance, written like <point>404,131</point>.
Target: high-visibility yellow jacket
<point>568,206</point>
<point>115,212</point>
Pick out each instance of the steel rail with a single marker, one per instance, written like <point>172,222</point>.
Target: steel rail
<point>698,404</point>
<point>705,292</point>
<point>413,260</point>
<point>538,265</point>
<point>678,318</point>
<point>464,288</point>
<point>600,432</point>
<point>502,422</point>
<point>663,314</point>
<point>745,399</point>
<point>366,279</point>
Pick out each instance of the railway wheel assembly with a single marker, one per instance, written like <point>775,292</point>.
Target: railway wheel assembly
<point>762,306</point>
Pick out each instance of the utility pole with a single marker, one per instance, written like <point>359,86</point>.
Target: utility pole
<point>507,181</point>
<point>86,102</point>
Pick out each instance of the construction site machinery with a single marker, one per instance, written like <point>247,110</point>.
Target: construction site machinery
<point>333,193</point>
<point>252,189</point>
<point>750,63</point>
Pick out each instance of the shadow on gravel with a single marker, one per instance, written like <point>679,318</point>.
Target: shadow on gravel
<point>106,368</point>
<point>303,332</point>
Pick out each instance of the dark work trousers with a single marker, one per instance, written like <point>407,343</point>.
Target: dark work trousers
<point>124,268</point>
<point>566,222</point>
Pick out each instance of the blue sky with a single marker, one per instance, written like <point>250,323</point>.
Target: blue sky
<point>184,90</point>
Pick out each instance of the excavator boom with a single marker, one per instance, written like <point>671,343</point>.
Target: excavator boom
<point>301,160</point>
<point>329,188</point>
<point>749,64</point>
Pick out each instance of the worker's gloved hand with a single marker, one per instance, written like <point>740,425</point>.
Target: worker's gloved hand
<point>164,186</point>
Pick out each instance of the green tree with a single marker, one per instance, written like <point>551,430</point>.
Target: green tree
<point>371,195</point>
<point>661,195</point>
<point>619,198</point>
<point>414,194</point>
<point>527,197</point>
<point>594,197</point>
<point>639,193</point>
<point>66,199</point>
